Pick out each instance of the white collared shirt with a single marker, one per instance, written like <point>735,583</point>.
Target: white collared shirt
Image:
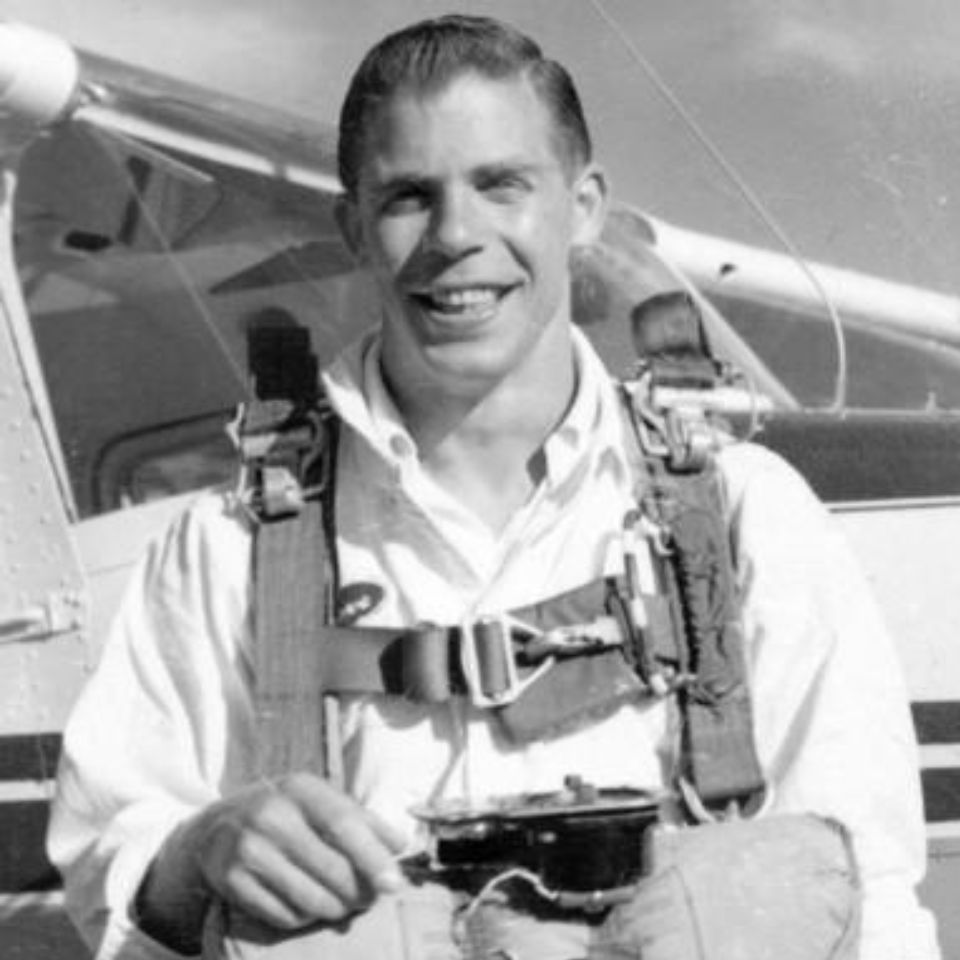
<point>166,724</point>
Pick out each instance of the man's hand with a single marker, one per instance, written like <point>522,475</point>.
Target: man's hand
<point>286,853</point>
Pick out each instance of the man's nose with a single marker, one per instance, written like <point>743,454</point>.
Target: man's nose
<point>457,224</point>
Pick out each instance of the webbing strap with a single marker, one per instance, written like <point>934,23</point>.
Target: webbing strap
<point>291,569</point>
<point>295,579</point>
<point>423,663</point>
<point>684,497</point>
<point>718,756</point>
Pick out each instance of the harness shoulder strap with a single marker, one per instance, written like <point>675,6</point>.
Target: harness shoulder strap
<point>291,478</point>
<point>288,444</point>
<point>680,491</point>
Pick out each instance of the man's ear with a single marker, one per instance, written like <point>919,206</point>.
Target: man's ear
<point>348,220</point>
<point>590,199</point>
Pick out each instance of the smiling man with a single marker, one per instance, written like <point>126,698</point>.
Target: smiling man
<point>483,470</point>
<point>466,196</point>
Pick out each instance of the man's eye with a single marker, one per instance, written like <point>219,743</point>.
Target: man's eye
<point>506,187</point>
<point>404,201</point>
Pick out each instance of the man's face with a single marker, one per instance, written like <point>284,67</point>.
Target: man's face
<point>466,213</point>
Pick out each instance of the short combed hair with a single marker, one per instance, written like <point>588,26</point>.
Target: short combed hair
<point>427,56</point>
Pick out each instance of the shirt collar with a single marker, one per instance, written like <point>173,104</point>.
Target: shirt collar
<point>356,389</point>
<point>591,428</point>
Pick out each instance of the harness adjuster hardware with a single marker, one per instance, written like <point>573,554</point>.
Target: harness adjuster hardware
<point>684,438</point>
<point>651,426</point>
<point>488,662</point>
<point>573,641</point>
<point>281,494</point>
<point>282,448</point>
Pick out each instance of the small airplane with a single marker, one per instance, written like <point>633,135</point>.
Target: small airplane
<point>158,243</point>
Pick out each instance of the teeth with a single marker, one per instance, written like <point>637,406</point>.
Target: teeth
<point>471,297</point>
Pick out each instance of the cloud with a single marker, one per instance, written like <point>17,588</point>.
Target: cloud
<point>884,41</point>
<point>794,40</point>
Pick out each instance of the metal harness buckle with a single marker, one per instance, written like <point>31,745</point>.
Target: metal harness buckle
<point>277,455</point>
<point>488,662</point>
<point>682,434</point>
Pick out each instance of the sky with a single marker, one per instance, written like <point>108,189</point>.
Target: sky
<point>842,116</point>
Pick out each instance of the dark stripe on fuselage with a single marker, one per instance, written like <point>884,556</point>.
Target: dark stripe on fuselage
<point>24,866</point>
<point>29,756</point>
<point>937,721</point>
<point>941,794</point>
<point>860,456</point>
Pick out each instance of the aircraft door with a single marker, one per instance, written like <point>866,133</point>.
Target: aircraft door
<point>43,597</point>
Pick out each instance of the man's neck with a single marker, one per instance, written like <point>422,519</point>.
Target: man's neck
<point>486,449</point>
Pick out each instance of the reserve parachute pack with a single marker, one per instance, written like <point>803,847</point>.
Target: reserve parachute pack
<point>671,630</point>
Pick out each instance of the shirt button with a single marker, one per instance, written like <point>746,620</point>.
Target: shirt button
<point>400,446</point>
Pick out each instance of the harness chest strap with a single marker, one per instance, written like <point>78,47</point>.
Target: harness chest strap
<point>490,660</point>
<point>540,669</point>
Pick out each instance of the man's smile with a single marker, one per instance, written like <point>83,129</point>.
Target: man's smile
<point>463,302</point>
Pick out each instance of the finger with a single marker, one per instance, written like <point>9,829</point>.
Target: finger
<point>309,899</point>
<point>282,824</point>
<point>391,835</point>
<point>327,866</point>
<point>373,859</point>
<point>257,900</point>
<point>269,875</point>
<point>345,826</point>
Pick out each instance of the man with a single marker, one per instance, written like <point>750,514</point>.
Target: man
<point>481,468</point>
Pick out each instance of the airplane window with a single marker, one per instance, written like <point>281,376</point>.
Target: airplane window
<point>163,461</point>
<point>144,273</point>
